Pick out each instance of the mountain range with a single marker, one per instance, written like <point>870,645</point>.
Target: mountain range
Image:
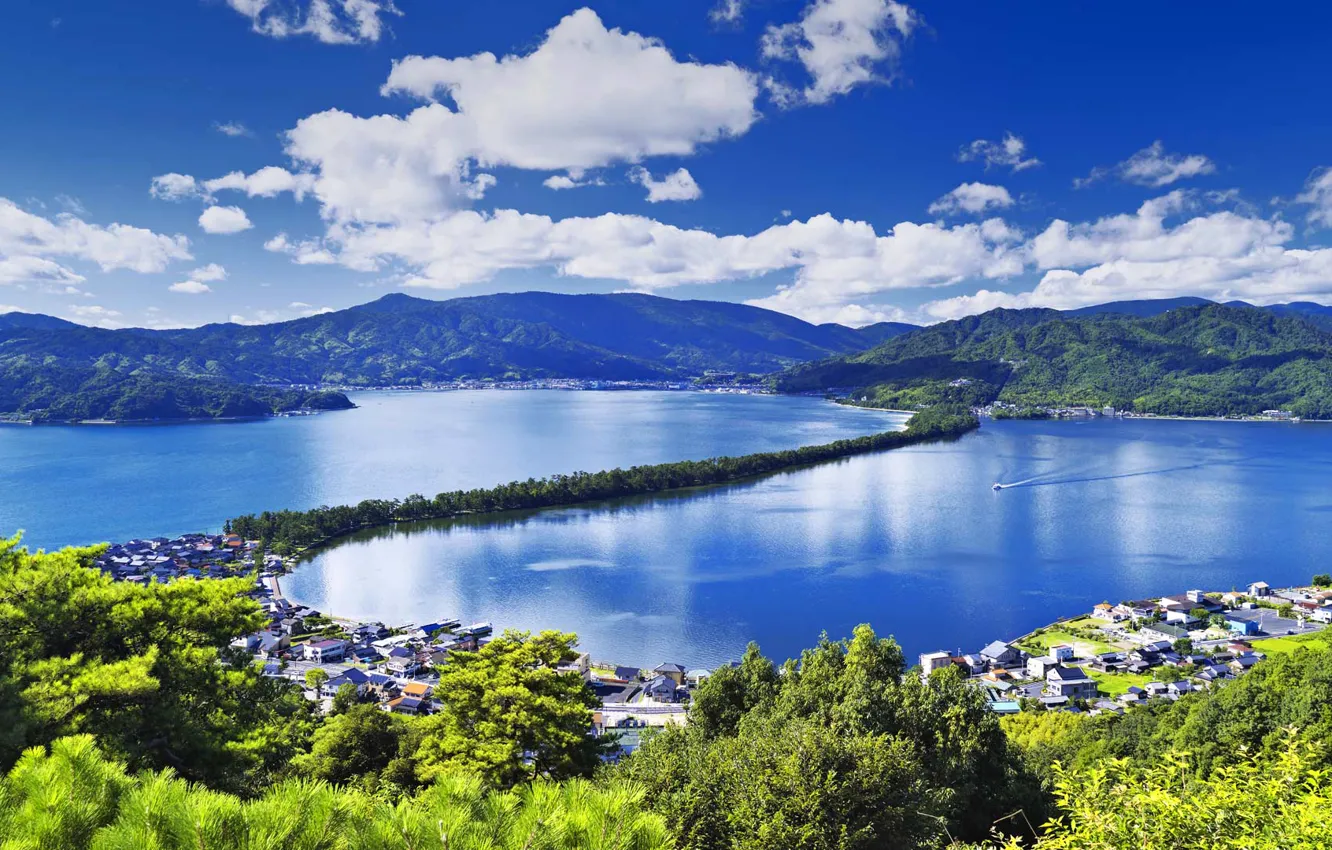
<point>1110,353</point>
<point>1194,360</point>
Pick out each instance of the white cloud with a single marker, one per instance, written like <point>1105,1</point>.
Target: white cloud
<point>1161,252</point>
<point>1318,194</point>
<point>676,186</point>
<point>1152,166</point>
<point>28,241</point>
<point>224,220</point>
<point>211,272</point>
<point>560,181</point>
<point>190,287</point>
<point>304,253</point>
<point>727,11</point>
<point>842,44</point>
<point>267,182</point>
<point>1008,152</point>
<point>587,97</point>
<point>95,315</point>
<point>235,129</point>
<point>175,187</point>
<point>972,198</point>
<point>329,21</point>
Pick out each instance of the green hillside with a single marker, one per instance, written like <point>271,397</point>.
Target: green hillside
<point>400,340</point>
<point>1191,361</point>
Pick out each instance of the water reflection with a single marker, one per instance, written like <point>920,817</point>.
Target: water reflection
<point>913,541</point>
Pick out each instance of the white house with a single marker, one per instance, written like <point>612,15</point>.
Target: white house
<point>1038,666</point>
<point>1260,588</point>
<point>1062,652</point>
<point>931,661</point>
<point>1109,613</point>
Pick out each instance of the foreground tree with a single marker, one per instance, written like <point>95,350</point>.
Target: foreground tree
<point>146,669</point>
<point>75,799</point>
<point>843,750</point>
<point>512,715</point>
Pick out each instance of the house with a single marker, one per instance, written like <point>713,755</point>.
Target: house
<point>401,661</point>
<point>1062,652</point>
<point>674,672</point>
<point>1260,589</point>
<point>1053,702</point>
<point>931,661</point>
<point>1322,615</point>
<point>325,651</point>
<point>356,678</point>
<point>1232,599</point>
<point>1037,667</point>
<point>1137,610</point>
<point>1000,654</point>
<point>1163,631</point>
<point>1105,706</point>
<point>628,674</point>
<point>1109,613</point>
<point>408,705</point>
<point>1155,689</point>
<point>1179,688</point>
<point>419,690</point>
<point>1070,682</point>
<point>1242,663</point>
<point>972,663</point>
<point>694,678</point>
<point>1005,706</point>
<point>663,689</point>
<point>381,686</point>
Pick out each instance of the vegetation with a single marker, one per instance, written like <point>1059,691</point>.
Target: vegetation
<point>1191,361</point>
<point>48,393</point>
<point>73,798</point>
<point>838,749</point>
<point>404,341</point>
<point>287,531</point>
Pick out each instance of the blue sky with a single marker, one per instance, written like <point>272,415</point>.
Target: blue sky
<point>841,160</point>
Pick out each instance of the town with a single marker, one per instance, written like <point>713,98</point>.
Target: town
<point>1122,655</point>
<point>1112,658</point>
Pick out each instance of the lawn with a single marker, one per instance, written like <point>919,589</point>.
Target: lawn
<point>1316,640</point>
<point>1082,646</point>
<point>1114,684</point>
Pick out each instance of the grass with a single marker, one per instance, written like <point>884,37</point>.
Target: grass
<point>1114,684</point>
<point>1315,640</point>
<point>1050,637</point>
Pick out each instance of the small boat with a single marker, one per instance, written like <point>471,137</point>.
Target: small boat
<point>998,486</point>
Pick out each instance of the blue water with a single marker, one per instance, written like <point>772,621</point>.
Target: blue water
<point>87,484</point>
<point>913,541</point>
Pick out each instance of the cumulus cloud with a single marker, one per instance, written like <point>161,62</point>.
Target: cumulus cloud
<point>1169,247</point>
<point>95,315</point>
<point>304,253</point>
<point>676,186</point>
<point>841,44</point>
<point>972,198</point>
<point>224,220</point>
<point>190,287</point>
<point>267,182</point>
<point>1318,195</point>
<point>29,242</point>
<point>235,129</point>
<point>1009,152</point>
<point>210,272</point>
<point>329,21</point>
<point>1152,166</point>
<point>175,187</point>
<point>572,179</point>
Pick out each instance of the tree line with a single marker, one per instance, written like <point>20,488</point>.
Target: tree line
<point>287,531</point>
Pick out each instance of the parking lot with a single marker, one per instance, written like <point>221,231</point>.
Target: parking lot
<point>1271,623</point>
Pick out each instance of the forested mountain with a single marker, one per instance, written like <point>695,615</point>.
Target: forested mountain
<point>1198,360</point>
<point>400,340</point>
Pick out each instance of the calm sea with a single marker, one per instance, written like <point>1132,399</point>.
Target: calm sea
<point>913,541</point>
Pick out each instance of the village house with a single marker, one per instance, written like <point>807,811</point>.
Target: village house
<point>1109,613</point>
<point>931,661</point>
<point>325,651</point>
<point>674,672</point>
<point>1000,654</point>
<point>1260,589</point>
<point>1038,666</point>
<point>1070,682</point>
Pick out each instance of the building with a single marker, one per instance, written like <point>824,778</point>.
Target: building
<point>931,661</point>
<point>674,672</point>
<point>1260,589</point>
<point>325,651</point>
<point>1109,613</point>
<point>1163,631</point>
<point>1061,652</point>
<point>1037,667</point>
<point>1070,682</point>
<point>1242,627</point>
<point>401,661</point>
<point>1000,654</point>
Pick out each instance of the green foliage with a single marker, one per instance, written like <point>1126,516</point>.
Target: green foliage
<point>404,341</point>
<point>364,746</point>
<point>1283,802</point>
<point>315,678</point>
<point>49,393</point>
<point>510,715</point>
<point>75,799</point>
<point>287,531</point>
<point>147,669</point>
<point>1322,580</point>
<point>1191,361</point>
<point>840,750</point>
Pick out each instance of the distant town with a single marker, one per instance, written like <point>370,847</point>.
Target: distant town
<point>1110,659</point>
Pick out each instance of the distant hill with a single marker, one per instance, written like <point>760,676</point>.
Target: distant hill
<point>1148,307</point>
<point>1191,360</point>
<point>36,321</point>
<point>401,340</point>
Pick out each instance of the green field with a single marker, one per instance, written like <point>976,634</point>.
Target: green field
<point>1317,640</point>
<point>1082,646</point>
<point>1114,684</point>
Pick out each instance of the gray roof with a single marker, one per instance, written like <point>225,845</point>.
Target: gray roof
<point>996,649</point>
